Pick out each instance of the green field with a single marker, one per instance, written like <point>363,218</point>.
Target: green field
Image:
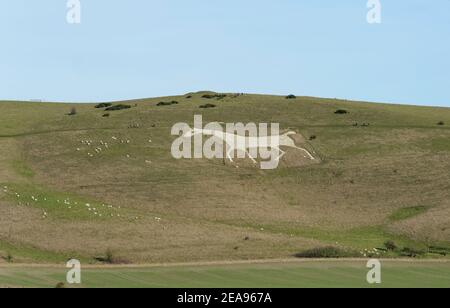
<point>321,274</point>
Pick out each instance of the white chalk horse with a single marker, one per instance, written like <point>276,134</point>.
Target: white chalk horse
<point>244,143</point>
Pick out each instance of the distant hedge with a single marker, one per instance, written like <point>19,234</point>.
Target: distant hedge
<point>341,111</point>
<point>118,107</point>
<point>103,105</point>
<point>329,252</point>
<point>206,106</point>
<point>167,103</point>
<point>217,96</point>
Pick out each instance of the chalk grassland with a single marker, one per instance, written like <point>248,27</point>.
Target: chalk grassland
<point>309,274</point>
<point>386,181</point>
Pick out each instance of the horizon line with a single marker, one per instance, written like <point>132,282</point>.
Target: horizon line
<point>356,100</point>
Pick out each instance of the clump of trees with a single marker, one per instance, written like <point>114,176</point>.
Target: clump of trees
<point>118,107</point>
<point>326,252</point>
<point>167,103</point>
<point>390,245</point>
<point>73,111</point>
<point>216,96</point>
<point>103,105</point>
<point>206,106</point>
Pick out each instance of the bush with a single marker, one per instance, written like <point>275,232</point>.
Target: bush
<point>217,96</point>
<point>118,107</point>
<point>73,111</point>
<point>103,105</point>
<point>206,106</point>
<point>8,258</point>
<point>291,96</point>
<point>390,245</point>
<point>326,252</point>
<point>441,123</point>
<point>412,252</point>
<point>109,256</point>
<point>167,103</point>
<point>105,115</point>
<point>60,285</point>
<point>341,111</point>
<point>189,96</point>
<point>443,251</point>
<point>313,137</point>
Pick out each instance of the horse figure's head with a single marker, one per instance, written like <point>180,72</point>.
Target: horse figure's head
<point>290,133</point>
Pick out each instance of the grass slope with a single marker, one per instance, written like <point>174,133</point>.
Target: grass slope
<point>384,181</point>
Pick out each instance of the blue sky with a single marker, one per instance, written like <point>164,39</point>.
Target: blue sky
<point>144,48</point>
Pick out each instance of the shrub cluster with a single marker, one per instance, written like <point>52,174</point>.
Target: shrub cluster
<point>8,258</point>
<point>73,111</point>
<point>118,107</point>
<point>216,96</point>
<point>326,252</point>
<point>390,245</point>
<point>412,252</point>
<point>103,105</point>
<point>341,111</point>
<point>206,106</point>
<point>167,103</point>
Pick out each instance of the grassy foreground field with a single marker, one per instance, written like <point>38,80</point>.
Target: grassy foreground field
<point>79,186</point>
<point>309,274</point>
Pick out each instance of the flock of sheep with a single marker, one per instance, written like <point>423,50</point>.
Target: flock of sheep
<point>103,146</point>
<point>97,211</point>
<point>100,211</point>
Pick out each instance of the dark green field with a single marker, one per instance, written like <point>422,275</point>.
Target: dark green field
<point>309,274</point>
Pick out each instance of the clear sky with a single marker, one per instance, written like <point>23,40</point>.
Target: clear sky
<point>145,48</point>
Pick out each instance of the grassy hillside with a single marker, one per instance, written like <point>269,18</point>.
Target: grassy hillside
<point>388,180</point>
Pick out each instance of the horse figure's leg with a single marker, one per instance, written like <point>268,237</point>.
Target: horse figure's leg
<point>229,155</point>
<point>251,157</point>
<point>282,153</point>
<point>304,150</point>
<point>290,143</point>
